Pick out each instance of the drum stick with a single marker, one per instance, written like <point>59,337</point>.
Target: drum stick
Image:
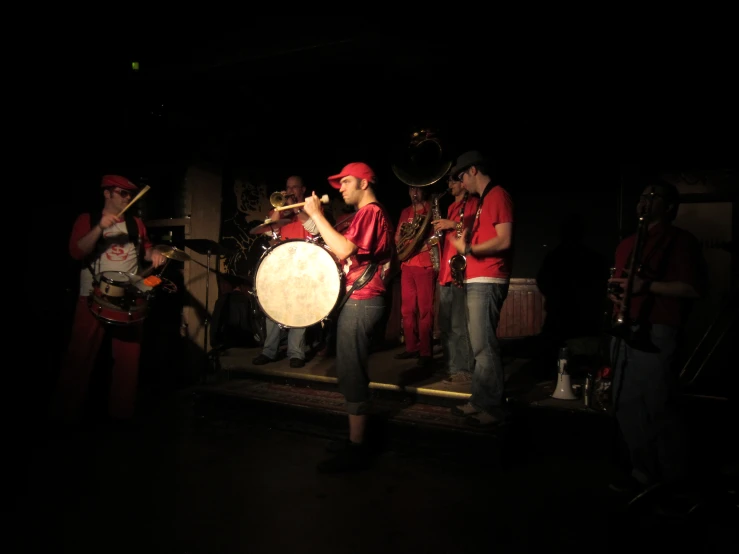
<point>139,195</point>
<point>324,200</point>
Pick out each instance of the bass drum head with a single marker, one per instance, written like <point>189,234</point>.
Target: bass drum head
<point>298,283</point>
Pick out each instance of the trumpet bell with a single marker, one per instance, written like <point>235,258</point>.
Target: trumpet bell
<point>423,163</point>
<point>277,199</point>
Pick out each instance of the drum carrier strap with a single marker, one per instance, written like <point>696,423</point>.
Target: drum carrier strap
<point>132,228</point>
<point>363,279</point>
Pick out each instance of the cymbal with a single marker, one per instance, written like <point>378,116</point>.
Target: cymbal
<point>173,253</point>
<point>201,246</point>
<point>269,225</point>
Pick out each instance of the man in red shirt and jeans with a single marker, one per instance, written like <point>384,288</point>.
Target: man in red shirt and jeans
<point>644,383</point>
<point>487,247</point>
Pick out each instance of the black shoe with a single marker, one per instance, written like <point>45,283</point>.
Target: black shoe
<point>354,457</point>
<point>296,362</point>
<point>425,361</point>
<point>261,360</point>
<point>405,355</point>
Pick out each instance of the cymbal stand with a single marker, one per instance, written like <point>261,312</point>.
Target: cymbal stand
<point>206,322</point>
<point>275,233</point>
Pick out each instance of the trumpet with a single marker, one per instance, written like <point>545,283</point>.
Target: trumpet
<point>277,199</point>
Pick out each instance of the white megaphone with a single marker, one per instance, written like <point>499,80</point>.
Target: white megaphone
<point>563,386</point>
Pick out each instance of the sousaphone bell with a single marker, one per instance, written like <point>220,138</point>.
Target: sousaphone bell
<point>423,166</point>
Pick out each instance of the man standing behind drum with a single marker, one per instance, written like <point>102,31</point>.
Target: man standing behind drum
<point>368,240</point>
<point>104,243</point>
<point>294,194</point>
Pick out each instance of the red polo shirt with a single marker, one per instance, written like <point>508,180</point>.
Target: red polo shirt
<point>685,264</point>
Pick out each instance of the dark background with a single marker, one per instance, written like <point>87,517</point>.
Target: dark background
<point>572,125</point>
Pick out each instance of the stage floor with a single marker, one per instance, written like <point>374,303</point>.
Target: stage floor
<point>400,388</point>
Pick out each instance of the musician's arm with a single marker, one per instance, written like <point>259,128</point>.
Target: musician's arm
<point>672,288</point>
<point>496,245</point>
<point>399,227</point>
<point>339,245</point>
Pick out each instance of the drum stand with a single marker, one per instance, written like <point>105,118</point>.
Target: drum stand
<point>206,322</point>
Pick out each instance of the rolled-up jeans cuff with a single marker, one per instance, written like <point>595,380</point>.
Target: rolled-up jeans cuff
<point>358,408</point>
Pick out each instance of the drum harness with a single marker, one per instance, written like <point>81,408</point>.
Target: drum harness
<point>363,279</point>
<point>133,234</point>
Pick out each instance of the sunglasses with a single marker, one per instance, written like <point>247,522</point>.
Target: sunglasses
<point>122,193</point>
<point>460,175</point>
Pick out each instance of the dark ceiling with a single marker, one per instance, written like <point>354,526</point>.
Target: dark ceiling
<point>525,93</point>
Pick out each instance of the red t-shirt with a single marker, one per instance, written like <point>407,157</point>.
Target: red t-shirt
<point>421,259</point>
<point>372,232</point>
<point>294,229</point>
<point>685,264</point>
<point>497,208</point>
<point>470,208</point>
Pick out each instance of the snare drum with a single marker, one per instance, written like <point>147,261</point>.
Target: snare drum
<point>118,298</point>
<point>298,283</point>
<point>113,284</point>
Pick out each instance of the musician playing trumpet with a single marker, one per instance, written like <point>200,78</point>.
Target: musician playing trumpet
<point>458,358</point>
<point>299,228</point>
<point>668,277</point>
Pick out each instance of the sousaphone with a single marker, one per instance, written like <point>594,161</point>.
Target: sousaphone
<point>423,166</point>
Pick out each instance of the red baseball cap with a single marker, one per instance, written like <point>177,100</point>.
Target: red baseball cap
<point>117,181</point>
<point>356,169</point>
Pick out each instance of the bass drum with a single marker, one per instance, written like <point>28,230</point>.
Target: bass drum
<point>298,283</point>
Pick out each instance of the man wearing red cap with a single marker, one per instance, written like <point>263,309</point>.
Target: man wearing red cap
<point>104,243</point>
<point>366,243</point>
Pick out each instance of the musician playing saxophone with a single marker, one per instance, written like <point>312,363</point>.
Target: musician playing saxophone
<point>667,278</point>
<point>458,358</point>
<point>489,254</point>
<point>417,281</point>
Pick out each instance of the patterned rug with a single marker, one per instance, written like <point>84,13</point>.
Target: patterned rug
<point>394,407</point>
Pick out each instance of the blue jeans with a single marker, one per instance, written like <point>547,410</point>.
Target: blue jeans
<point>644,392</point>
<point>354,329</point>
<point>455,340</point>
<point>484,303</point>
<point>295,341</point>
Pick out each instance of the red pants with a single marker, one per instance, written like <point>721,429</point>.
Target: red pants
<point>417,286</point>
<point>74,380</point>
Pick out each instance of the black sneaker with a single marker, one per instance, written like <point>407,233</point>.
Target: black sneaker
<point>261,360</point>
<point>296,362</point>
<point>405,355</point>
<point>354,457</point>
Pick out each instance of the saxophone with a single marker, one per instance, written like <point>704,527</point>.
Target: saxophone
<point>458,262</point>
<point>433,240</point>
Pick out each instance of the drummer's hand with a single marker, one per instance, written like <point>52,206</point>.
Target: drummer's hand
<point>108,220</point>
<point>312,205</point>
<point>157,258</point>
